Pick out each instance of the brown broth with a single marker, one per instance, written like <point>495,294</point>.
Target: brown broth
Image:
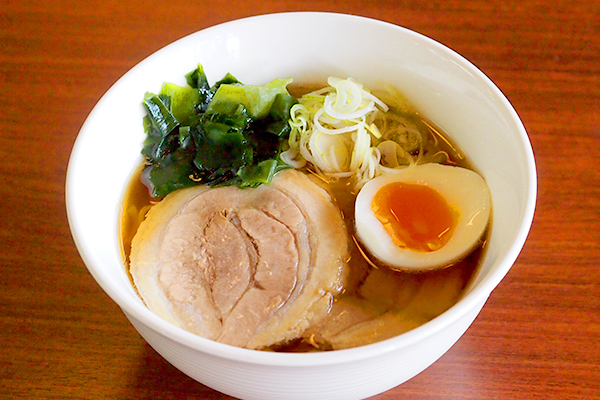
<point>134,207</point>
<point>433,292</point>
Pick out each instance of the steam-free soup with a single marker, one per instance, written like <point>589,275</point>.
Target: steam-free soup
<point>375,302</point>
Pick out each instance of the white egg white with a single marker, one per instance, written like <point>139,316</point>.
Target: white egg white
<point>464,190</point>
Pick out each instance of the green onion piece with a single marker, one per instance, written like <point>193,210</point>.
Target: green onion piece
<point>261,173</point>
<point>257,99</point>
<point>159,112</point>
<point>174,171</point>
<point>184,101</point>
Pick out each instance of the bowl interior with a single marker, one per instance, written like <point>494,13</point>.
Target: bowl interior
<point>446,88</point>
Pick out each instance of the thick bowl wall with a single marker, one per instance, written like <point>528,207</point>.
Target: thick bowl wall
<point>445,87</point>
<point>354,375</point>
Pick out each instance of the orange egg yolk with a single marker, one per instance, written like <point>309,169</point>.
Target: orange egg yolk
<point>416,216</point>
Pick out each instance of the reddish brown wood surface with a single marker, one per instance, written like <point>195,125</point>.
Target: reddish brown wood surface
<point>538,337</point>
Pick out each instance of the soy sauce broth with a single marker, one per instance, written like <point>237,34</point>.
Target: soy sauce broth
<point>428,294</point>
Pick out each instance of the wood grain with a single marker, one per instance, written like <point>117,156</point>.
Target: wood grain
<point>62,337</point>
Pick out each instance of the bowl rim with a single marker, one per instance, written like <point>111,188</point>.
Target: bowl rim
<point>467,303</point>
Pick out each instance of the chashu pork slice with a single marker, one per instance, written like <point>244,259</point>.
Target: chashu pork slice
<point>246,267</point>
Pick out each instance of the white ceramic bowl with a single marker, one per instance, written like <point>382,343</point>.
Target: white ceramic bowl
<point>444,86</point>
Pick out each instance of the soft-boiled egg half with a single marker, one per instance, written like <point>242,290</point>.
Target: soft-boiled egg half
<point>423,217</point>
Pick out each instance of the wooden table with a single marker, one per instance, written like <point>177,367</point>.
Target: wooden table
<point>538,337</point>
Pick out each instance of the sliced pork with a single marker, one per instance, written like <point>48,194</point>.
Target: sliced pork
<point>247,267</point>
<point>388,303</point>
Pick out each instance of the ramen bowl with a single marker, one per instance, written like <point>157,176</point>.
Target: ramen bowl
<point>446,88</point>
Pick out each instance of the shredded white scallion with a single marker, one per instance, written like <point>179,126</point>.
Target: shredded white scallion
<point>343,130</point>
